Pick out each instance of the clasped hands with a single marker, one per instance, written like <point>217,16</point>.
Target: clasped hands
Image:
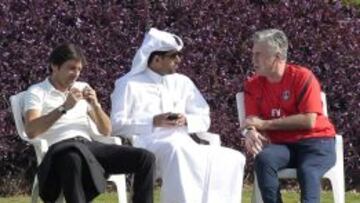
<point>75,95</point>
<point>168,120</point>
<point>254,140</point>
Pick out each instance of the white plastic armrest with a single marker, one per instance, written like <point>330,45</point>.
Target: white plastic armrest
<point>41,147</point>
<point>133,139</point>
<point>107,140</point>
<point>212,138</point>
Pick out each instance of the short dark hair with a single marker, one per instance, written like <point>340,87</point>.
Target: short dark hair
<point>155,53</point>
<point>66,52</point>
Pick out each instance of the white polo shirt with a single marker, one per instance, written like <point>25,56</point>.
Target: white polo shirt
<point>44,97</point>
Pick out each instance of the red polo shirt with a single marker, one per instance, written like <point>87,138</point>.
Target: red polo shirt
<point>297,92</point>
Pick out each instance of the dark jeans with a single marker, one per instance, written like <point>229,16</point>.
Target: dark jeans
<point>311,157</point>
<point>114,159</point>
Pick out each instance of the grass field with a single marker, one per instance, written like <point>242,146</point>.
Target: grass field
<point>352,2</point>
<point>288,197</point>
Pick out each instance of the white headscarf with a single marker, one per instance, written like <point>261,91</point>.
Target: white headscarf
<point>155,40</point>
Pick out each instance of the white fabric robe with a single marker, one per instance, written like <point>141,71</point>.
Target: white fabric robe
<point>191,173</point>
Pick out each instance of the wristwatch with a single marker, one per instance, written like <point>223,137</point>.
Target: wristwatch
<point>245,131</point>
<point>62,110</point>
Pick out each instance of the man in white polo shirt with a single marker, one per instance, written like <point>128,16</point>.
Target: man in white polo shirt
<point>60,110</point>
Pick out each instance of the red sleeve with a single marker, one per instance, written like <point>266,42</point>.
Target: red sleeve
<point>251,107</point>
<point>309,99</point>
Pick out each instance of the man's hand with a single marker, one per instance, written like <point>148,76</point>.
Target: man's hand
<point>89,95</point>
<point>181,120</point>
<point>168,120</point>
<point>254,141</point>
<point>73,97</point>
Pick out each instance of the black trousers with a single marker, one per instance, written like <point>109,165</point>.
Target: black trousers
<point>114,159</point>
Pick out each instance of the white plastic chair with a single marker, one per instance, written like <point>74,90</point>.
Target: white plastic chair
<point>41,147</point>
<point>335,174</point>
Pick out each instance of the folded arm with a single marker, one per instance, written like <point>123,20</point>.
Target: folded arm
<point>294,122</point>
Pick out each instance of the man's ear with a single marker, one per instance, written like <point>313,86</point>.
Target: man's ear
<point>157,58</point>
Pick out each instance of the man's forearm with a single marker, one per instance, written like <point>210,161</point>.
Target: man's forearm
<point>102,120</point>
<point>39,125</point>
<point>294,122</point>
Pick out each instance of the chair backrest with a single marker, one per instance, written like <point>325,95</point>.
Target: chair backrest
<point>240,103</point>
<point>17,106</point>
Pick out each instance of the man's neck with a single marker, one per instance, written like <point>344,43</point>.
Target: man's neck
<point>278,74</point>
<point>155,70</point>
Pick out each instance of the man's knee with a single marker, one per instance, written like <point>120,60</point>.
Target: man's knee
<point>172,146</point>
<point>263,159</point>
<point>70,160</point>
<point>147,157</point>
<point>308,174</point>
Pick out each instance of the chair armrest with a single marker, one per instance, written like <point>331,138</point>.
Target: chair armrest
<point>107,140</point>
<point>339,147</point>
<point>212,138</point>
<point>129,140</point>
<point>41,146</point>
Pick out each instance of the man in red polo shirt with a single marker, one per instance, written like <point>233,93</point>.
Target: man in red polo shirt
<point>283,108</point>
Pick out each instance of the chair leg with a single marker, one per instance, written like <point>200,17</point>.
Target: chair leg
<point>61,198</point>
<point>35,191</point>
<point>120,184</point>
<point>256,194</point>
<point>338,188</point>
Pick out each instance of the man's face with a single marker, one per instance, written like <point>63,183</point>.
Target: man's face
<point>68,72</point>
<point>168,63</point>
<point>264,58</point>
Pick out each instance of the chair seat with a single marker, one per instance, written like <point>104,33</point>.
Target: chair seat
<point>291,173</point>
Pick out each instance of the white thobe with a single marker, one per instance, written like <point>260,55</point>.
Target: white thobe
<point>191,173</point>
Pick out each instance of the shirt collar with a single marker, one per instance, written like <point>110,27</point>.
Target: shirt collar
<point>157,78</point>
<point>50,87</point>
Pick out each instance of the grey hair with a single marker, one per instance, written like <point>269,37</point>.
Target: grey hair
<point>273,37</point>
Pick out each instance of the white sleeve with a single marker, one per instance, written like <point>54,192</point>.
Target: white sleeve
<point>197,110</point>
<point>34,99</point>
<point>123,123</point>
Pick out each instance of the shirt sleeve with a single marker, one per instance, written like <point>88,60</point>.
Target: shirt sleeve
<point>309,98</point>
<point>33,99</point>
<point>251,107</point>
<point>197,110</point>
<point>122,122</point>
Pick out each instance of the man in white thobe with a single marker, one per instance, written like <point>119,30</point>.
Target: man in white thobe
<point>161,108</point>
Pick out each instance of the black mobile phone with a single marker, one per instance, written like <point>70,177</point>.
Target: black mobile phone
<point>173,116</point>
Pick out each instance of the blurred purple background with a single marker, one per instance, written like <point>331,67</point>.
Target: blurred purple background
<point>323,36</point>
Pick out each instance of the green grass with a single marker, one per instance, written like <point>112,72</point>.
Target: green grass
<point>352,2</point>
<point>288,197</point>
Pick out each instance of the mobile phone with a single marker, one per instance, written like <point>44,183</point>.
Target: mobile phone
<point>173,116</point>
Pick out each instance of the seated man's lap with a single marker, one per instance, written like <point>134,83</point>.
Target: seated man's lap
<point>118,158</point>
<point>316,154</point>
<point>276,156</point>
<point>311,157</point>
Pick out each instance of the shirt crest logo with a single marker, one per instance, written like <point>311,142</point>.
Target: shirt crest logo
<point>286,95</point>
